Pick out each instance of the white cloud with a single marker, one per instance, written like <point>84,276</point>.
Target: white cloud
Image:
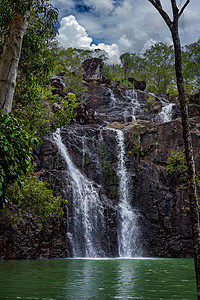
<point>189,18</point>
<point>148,45</point>
<point>72,34</point>
<point>125,43</point>
<point>129,24</point>
<point>125,11</point>
<point>111,50</point>
<point>100,6</point>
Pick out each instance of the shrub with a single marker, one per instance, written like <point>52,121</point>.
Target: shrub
<point>33,197</point>
<point>15,152</point>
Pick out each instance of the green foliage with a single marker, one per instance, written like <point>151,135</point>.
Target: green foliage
<point>113,72</point>
<point>15,152</point>
<point>176,165</point>
<point>126,64</point>
<point>65,112</point>
<point>191,67</point>
<point>33,197</point>
<point>155,66</point>
<point>38,57</point>
<point>42,8</point>
<point>31,103</point>
<point>160,68</point>
<point>73,84</point>
<point>135,142</point>
<point>70,60</point>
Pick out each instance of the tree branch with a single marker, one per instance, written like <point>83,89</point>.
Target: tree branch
<point>175,11</point>
<point>157,4</point>
<point>183,8</point>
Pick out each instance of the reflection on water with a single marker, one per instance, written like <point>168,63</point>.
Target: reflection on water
<point>98,279</point>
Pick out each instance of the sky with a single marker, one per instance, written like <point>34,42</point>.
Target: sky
<point>119,26</point>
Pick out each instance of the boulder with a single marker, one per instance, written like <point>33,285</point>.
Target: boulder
<point>93,69</point>
<point>138,84</point>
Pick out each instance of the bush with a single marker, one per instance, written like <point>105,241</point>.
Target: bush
<point>34,197</point>
<point>15,152</point>
<point>176,165</point>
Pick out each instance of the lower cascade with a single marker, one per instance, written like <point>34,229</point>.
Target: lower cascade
<point>88,210</point>
<point>127,224</point>
<point>87,228</point>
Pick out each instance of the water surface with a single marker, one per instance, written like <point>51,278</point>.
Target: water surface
<point>80,279</point>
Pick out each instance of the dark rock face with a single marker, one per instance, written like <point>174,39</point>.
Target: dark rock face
<point>163,217</point>
<point>93,69</point>
<point>32,242</point>
<point>138,84</point>
<point>58,85</point>
<point>162,213</point>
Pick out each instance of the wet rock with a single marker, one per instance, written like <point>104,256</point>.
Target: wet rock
<point>31,242</point>
<point>163,217</point>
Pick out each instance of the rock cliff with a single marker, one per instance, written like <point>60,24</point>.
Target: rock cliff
<point>152,130</point>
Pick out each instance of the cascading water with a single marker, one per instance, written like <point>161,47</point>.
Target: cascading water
<point>88,209</point>
<point>127,223</point>
<point>113,100</point>
<point>87,231</point>
<point>166,113</point>
<point>131,95</point>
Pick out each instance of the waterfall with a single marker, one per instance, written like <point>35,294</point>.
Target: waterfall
<point>87,230</point>
<point>131,95</point>
<point>87,206</point>
<point>113,100</point>
<point>166,113</point>
<point>127,222</point>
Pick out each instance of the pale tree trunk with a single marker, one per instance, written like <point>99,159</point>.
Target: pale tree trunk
<point>192,191</point>
<point>9,60</point>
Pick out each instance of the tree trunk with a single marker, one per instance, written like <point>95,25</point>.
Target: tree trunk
<point>192,192</point>
<point>191,181</point>
<point>9,60</point>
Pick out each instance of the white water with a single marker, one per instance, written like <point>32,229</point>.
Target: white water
<point>127,223</point>
<point>131,95</point>
<point>113,100</point>
<point>88,217</point>
<point>166,113</point>
<point>86,203</point>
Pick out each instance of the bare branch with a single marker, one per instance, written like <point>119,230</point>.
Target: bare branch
<point>183,8</point>
<point>175,11</point>
<point>157,4</point>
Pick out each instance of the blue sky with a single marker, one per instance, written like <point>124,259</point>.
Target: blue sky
<point>119,26</point>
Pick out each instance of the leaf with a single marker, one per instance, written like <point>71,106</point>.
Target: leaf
<point>6,120</point>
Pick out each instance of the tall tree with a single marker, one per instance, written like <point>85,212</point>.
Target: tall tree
<point>14,19</point>
<point>191,66</point>
<point>126,63</point>
<point>192,192</point>
<point>160,68</point>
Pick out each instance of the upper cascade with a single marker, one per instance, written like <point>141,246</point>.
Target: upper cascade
<point>127,105</point>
